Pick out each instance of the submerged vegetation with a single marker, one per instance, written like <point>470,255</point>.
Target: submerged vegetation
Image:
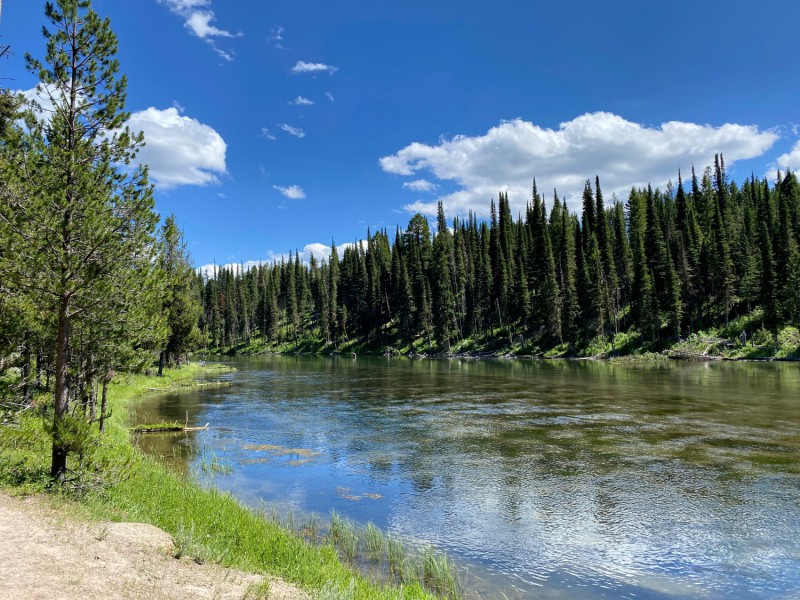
<point>115,481</point>
<point>95,296</point>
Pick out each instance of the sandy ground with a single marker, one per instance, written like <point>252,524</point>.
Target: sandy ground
<point>46,555</point>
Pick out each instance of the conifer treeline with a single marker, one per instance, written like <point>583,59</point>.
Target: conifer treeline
<point>665,263</point>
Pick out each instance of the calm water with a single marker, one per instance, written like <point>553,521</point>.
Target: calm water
<point>575,480</point>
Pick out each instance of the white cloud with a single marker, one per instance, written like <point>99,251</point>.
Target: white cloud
<point>304,67</point>
<point>301,101</point>
<point>295,131</point>
<point>197,18</point>
<point>267,134</point>
<point>226,56</point>
<point>41,97</point>
<point>293,192</point>
<point>790,160</point>
<point>208,270</point>
<point>420,185</point>
<point>320,251</point>
<point>199,23</point>
<point>330,97</point>
<point>621,152</point>
<point>277,37</point>
<point>179,150</point>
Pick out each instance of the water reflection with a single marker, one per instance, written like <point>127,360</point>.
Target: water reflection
<point>565,479</point>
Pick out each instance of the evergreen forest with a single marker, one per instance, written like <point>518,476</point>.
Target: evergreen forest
<point>93,282</point>
<point>644,273</point>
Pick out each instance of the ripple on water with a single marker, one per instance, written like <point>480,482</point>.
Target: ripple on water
<point>564,480</point>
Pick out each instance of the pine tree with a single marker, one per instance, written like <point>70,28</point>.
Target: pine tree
<point>622,254</point>
<point>460,276</point>
<point>333,294</point>
<point>588,224</point>
<point>499,269</point>
<point>403,295</point>
<point>722,272</point>
<point>791,306</point>
<point>485,304</point>
<point>180,306</point>
<point>674,307</point>
<point>290,299</point>
<point>769,292</point>
<point>87,226</point>
<point>656,247</point>
<point>443,301</point>
<point>569,303</point>
<point>550,295</point>
<point>273,308</point>
<point>522,309</point>
<point>785,248</point>
<point>610,290</point>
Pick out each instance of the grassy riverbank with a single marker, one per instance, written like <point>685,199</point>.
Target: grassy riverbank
<point>714,343</point>
<point>117,482</point>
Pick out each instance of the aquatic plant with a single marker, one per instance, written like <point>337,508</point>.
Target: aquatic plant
<point>374,541</point>
<point>440,574</point>
<point>310,526</point>
<point>395,555</point>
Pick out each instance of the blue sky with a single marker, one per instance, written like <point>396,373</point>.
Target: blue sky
<point>278,126</point>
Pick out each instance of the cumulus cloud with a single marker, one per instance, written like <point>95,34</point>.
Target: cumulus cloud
<point>330,97</point>
<point>301,101</point>
<point>293,192</point>
<point>179,150</point>
<point>197,18</point>
<point>305,67</point>
<point>420,185</point>
<point>621,152</point>
<point>295,131</point>
<point>267,134</point>
<point>318,250</point>
<point>790,160</point>
<point>40,99</point>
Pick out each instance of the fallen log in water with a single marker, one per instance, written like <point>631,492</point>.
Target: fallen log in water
<point>162,427</point>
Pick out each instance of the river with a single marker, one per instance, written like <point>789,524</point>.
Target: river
<point>547,479</point>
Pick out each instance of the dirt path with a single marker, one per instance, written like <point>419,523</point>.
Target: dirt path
<point>46,555</point>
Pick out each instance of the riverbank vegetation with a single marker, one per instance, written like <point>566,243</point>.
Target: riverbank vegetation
<point>115,481</point>
<point>92,286</point>
<point>95,298</point>
<point>709,265</point>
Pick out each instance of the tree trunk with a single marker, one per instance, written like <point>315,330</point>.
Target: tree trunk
<point>39,367</point>
<point>91,394</point>
<point>58,465</point>
<point>162,358</point>
<point>103,404</point>
<point>26,373</point>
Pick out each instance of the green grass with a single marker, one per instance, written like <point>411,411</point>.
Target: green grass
<point>121,484</point>
<point>374,541</point>
<point>725,342</point>
<point>624,344</point>
<point>157,427</point>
